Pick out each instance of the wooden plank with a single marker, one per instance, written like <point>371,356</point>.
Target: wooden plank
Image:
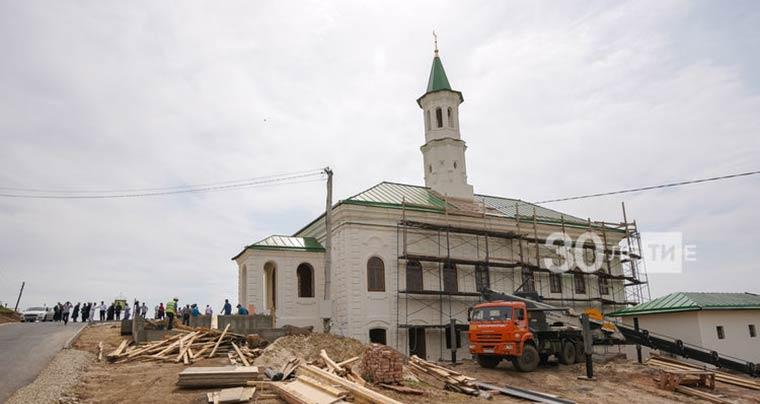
<point>240,354</point>
<point>331,364</point>
<point>120,349</point>
<point>403,389</point>
<point>701,394</point>
<point>183,350</point>
<point>301,393</point>
<point>329,389</point>
<point>348,361</point>
<point>359,392</point>
<point>219,341</point>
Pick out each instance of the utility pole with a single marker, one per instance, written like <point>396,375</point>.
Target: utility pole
<point>328,251</point>
<point>19,295</point>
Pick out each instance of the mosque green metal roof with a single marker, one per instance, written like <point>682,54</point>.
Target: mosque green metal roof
<point>693,301</point>
<point>414,197</point>
<point>285,243</point>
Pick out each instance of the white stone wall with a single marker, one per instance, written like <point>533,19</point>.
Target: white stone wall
<point>289,309</point>
<point>737,342</point>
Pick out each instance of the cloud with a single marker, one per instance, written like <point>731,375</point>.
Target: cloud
<point>559,100</point>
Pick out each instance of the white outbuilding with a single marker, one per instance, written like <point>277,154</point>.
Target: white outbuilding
<point>722,322</point>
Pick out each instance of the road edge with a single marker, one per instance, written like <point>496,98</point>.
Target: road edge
<point>73,338</point>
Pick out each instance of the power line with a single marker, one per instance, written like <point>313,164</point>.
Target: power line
<point>174,187</point>
<point>649,188</point>
<point>261,181</point>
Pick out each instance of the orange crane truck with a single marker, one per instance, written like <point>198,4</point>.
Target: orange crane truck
<point>508,327</point>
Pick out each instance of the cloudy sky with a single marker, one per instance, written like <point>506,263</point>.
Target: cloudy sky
<point>561,98</point>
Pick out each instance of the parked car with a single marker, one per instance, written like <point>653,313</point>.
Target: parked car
<point>33,314</point>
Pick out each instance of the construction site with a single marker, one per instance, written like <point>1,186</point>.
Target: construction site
<point>401,292</point>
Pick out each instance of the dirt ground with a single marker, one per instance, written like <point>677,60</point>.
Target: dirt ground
<point>8,316</point>
<point>152,382</point>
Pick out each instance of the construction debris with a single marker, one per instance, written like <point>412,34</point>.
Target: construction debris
<point>187,347</point>
<point>452,380</point>
<point>455,381</point>
<point>324,380</point>
<point>382,364</point>
<point>218,376</point>
<point>662,362</point>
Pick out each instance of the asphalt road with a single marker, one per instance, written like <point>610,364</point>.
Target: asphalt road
<point>26,349</point>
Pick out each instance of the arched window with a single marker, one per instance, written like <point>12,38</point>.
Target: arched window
<point>428,122</point>
<point>450,115</point>
<point>413,276</point>
<point>305,274</point>
<point>439,118</point>
<point>377,335</point>
<point>450,283</point>
<point>375,275</point>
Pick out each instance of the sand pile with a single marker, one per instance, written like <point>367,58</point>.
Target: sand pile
<point>307,347</point>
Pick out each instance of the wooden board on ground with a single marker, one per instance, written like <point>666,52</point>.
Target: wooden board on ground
<point>231,395</point>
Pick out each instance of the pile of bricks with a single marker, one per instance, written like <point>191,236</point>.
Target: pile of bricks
<point>382,364</point>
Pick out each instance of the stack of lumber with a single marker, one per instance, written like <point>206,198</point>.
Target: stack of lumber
<point>187,347</point>
<point>217,376</point>
<point>669,379</point>
<point>662,362</point>
<point>333,388</point>
<point>231,395</point>
<point>382,364</point>
<point>452,380</point>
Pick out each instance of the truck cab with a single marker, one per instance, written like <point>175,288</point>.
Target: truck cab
<point>508,329</point>
<point>499,330</point>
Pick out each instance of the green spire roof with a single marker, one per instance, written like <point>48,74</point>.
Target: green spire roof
<point>438,80</point>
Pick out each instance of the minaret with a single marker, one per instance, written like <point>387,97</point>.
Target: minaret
<point>443,151</point>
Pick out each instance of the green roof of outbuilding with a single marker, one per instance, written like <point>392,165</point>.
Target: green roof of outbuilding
<point>414,197</point>
<point>692,301</point>
<point>285,243</point>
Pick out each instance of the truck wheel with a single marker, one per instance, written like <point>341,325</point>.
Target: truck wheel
<point>528,361</point>
<point>488,362</point>
<point>567,353</point>
<point>580,354</point>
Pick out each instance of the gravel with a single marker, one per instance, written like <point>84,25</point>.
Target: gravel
<point>53,383</point>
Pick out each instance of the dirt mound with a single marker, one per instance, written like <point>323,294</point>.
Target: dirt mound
<point>307,347</point>
<point>9,316</point>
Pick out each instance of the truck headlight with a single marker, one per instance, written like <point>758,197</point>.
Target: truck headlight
<point>508,347</point>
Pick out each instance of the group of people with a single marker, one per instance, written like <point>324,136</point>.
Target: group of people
<point>173,310</point>
<point>113,311</point>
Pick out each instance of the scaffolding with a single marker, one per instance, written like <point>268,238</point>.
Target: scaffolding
<point>418,240</point>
